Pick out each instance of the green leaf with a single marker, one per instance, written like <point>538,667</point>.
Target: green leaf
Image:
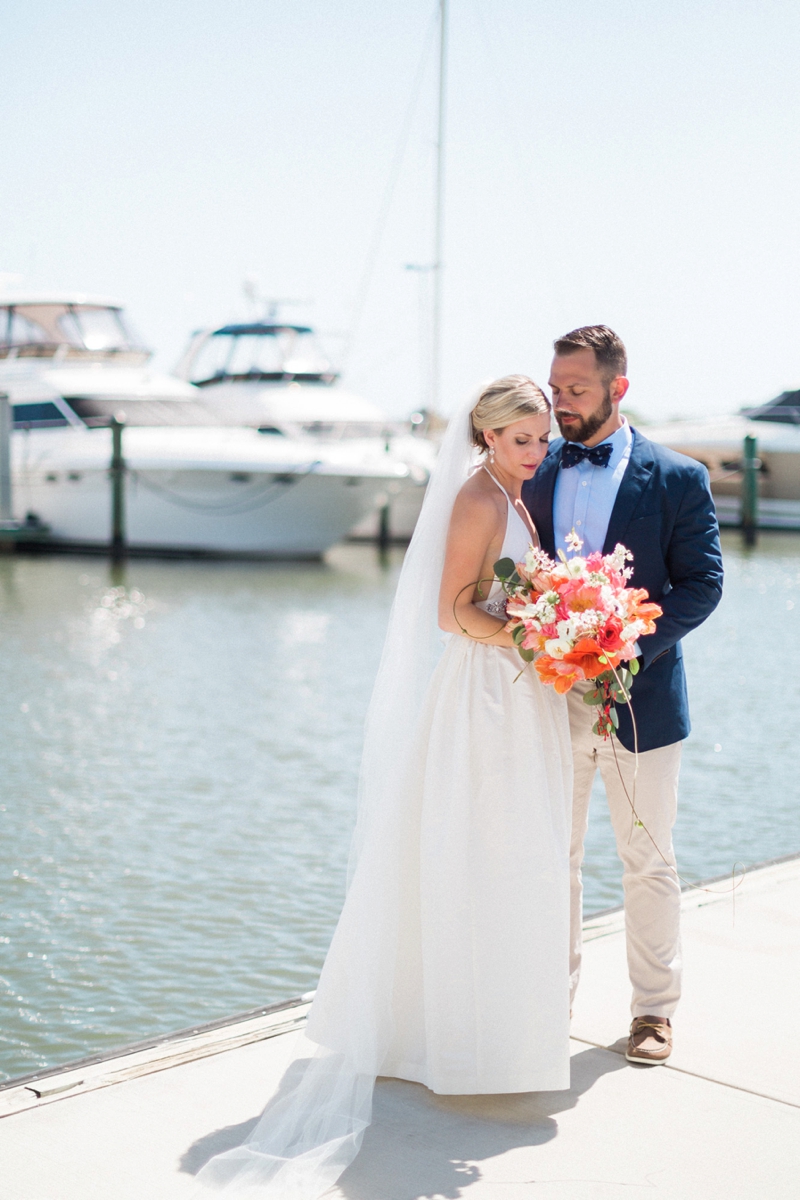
<point>614,718</point>
<point>518,634</point>
<point>602,658</point>
<point>527,655</point>
<point>593,698</point>
<point>514,579</point>
<point>633,666</point>
<point>504,568</point>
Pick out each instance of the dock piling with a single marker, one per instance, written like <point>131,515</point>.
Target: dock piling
<point>5,459</point>
<point>117,475</point>
<point>384,531</point>
<point>750,468</point>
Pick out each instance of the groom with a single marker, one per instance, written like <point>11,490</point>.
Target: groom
<point>610,484</point>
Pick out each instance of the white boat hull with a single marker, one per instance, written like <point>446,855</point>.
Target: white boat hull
<point>217,491</point>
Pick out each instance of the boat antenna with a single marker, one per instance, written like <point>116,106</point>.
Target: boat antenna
<point>438,235</point>
<point>267,308</point>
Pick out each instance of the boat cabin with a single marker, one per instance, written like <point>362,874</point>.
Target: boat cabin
<point>257,352</point>
<point>784,410</point>
<point>68,330</point>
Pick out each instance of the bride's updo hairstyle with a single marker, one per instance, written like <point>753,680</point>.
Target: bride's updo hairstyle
<point>505,401</point>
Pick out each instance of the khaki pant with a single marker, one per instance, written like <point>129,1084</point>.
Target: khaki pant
<point>651,887</point>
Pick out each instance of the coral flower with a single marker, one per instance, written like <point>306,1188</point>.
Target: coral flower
<point>586,655</point>
<point>648,613</point>
<point>561,674</point>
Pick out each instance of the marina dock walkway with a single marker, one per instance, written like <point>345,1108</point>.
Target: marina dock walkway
<point>722,1120</point>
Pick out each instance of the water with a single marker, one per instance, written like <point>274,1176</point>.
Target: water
<point>178,767</point>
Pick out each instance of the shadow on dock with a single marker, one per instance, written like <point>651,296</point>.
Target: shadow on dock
<point>432,1143</point>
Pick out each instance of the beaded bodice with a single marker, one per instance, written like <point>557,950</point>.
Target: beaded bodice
<point>515,545</point>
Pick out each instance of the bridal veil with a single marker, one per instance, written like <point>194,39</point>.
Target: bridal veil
<point>313,1128</point>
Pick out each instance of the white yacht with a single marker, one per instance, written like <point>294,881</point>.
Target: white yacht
<point>275,377</point>
<point>718,443</point>
<point>198,478</point>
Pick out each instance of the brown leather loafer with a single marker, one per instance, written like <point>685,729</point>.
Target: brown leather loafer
<point>650,1040</point>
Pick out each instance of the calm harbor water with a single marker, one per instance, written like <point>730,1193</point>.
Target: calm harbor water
<point>178,766</point>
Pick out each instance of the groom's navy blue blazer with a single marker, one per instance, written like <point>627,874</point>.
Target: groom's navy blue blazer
<point>665,515</point>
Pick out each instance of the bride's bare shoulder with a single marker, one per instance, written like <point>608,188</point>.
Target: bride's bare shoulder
<point>479,501</point>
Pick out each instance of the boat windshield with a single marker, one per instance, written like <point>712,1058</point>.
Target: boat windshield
<point>48,330</point>
<point>259,352</point>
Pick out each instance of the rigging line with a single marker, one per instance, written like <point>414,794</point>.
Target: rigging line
<point>236,508</point>
<point>522,151</point>
<point>379,229</point>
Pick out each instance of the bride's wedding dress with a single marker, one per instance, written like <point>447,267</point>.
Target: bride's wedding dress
<point>449,965</point>
<point>480,997</point>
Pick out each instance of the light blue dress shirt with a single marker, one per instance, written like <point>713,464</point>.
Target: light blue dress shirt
<point>585,494</point>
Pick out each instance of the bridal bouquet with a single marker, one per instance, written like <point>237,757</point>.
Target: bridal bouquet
<point>578,619</point>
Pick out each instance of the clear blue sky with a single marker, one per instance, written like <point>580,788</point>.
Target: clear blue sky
<point>636,163</point>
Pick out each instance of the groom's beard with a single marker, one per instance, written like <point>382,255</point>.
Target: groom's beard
<point>581,431</point>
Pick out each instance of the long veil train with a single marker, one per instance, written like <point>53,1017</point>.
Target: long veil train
<point>313,1129</point>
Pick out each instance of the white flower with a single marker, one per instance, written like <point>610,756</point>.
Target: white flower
<point>537,560</point>
<point>608,598</point>
<point>574,543</point>
<point>587,622</point>
<point>528,612</point>
<point>557,647</point>
<point>575,567</point>
<point>620,556</point>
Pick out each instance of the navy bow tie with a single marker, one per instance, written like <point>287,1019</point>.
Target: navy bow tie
<point>573,453</point>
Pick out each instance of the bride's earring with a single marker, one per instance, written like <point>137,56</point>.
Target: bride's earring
<point>491,454</point>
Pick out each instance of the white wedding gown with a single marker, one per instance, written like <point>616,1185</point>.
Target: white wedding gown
<point>449,965</point>
<point>481,978</point>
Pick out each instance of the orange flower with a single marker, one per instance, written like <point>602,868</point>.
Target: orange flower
<point>649,613</point>
<point>586,655</point>
<point>561,674</point>
<point>634,602</point>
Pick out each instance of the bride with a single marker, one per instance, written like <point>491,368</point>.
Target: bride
<point>449,965</point>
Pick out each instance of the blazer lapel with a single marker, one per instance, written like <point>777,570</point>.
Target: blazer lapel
<point>546,478</point>
<point>636,478</point>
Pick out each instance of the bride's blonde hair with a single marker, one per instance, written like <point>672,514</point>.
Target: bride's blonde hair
<point>505,401</point>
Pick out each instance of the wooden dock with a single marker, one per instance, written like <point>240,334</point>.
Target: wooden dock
<point>720,1122</point>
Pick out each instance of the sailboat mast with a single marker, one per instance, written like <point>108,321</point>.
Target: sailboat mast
<point>438,264</point>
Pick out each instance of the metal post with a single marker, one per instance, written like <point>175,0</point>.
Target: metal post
<point>5,459</point>
<point>384,532</point>
<point>750,491</point>
<point>117,474</point>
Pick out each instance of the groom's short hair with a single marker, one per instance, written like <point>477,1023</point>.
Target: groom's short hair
<point>609,349</point>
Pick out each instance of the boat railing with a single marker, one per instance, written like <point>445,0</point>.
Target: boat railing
<point>323,377</point>
<point>63,352</point>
